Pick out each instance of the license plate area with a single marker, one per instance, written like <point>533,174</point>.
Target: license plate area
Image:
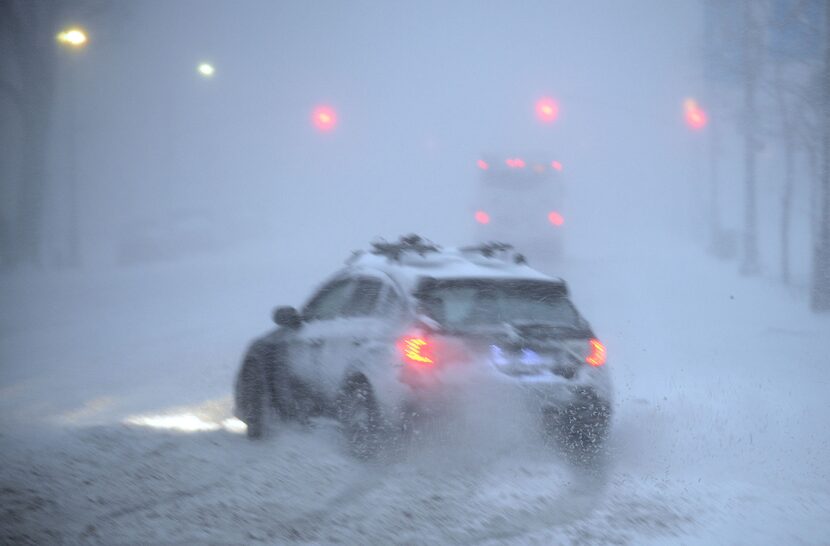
<point>521,360</point>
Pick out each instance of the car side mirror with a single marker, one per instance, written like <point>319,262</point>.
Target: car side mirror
<point>287,317</point>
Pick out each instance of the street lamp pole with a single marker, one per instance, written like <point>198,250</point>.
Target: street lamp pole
<point>73,39</point>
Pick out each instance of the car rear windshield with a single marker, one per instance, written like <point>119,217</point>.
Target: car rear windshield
<point>464,303</point>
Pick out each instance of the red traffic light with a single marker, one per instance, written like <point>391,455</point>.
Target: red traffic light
<point>556,165</point>
<point>696,117</point>
<point>555,218</point>
<point>547,110</point>
<point>482,217</point>
<point>324,118</point>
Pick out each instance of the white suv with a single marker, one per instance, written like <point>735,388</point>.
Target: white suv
<point>406,321</point>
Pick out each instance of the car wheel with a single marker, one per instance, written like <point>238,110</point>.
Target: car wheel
<point>359,416</point>
<point>579,429</point>
<point>256,407</point>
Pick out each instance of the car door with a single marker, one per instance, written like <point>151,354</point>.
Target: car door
<point>321,316</point>
<point>380,359</point>
<point>357,339</point>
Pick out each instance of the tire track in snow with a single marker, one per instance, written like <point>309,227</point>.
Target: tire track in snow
<point>573,503</point>
<point>167,499</point>
<point>313,521</point>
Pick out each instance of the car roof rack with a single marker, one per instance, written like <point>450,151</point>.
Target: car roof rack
<point>495,249</point>
<point>415,244</point>
<point>407,243</point>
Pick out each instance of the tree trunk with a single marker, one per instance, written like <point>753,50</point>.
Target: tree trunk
<point>820,293</point>
<point>787,189</point>
<point>714,190</point>
<point>749,263</point>
<point>786,206</point>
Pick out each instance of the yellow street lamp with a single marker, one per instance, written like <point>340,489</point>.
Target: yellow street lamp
<point>206,69</point>
<point>74,37</point>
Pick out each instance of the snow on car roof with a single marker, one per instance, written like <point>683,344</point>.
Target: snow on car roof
<point>408,267</point>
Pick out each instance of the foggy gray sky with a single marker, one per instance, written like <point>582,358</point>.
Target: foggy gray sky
<point>421,90</point>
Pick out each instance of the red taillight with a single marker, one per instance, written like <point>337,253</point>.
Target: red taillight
<point>597,354</point>
<point>416,350</point>
<point>482,165</point>
<point>482,217</point>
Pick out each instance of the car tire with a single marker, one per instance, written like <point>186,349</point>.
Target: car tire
<point>581,428</point>
<point>255,406</point>
<point>360,418</point>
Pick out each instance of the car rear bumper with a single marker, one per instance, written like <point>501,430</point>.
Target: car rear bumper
<point>588,393</point>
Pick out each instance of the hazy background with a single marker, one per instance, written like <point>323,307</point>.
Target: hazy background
<point>421,90</point>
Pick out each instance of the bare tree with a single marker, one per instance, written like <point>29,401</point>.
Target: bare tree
<point>794,53</point>
<point>732,54</point>
<point>796,109</point>
<point>779,62</point>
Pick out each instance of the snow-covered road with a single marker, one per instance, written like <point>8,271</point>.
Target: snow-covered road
<point>114,393</point>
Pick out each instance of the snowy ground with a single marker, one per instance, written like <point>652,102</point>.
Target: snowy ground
<point>114,419</point>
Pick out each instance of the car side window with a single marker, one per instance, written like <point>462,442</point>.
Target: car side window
<point>330,301</point>
<point>364,298</point>
<point>391,305</point>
